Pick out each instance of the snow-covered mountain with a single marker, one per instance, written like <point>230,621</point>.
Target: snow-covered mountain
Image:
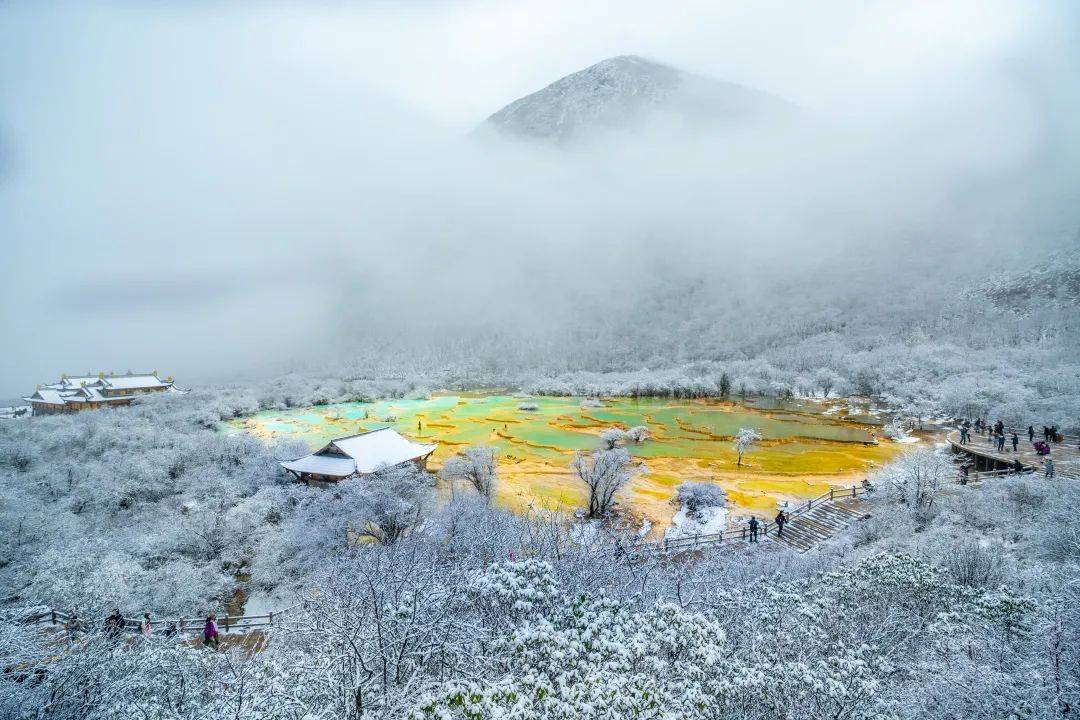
<point>627,90</point>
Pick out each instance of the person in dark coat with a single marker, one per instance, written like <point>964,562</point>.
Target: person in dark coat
<point>114,624</point>
<point>1001,442</point>
<point>1015,442</point>
<point>1031,433</point>
<point>753,528</point>
<point>781,518</point>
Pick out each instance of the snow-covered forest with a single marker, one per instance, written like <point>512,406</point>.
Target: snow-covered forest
<point>961,605</point>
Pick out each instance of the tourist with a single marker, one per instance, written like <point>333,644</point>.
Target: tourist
<point>1031,433</point>
<point>1001,442</point>
<point>999,428</point>
<point>1049,467</point>
<point>781,518</point>
<point>963,435</point>
<point>1041,448</point>
<point>114,623</point>
<point>978,426</point>
<point>72,625</point>
<point>1015,441</point>
<point>753,528</point>
<point>1054,434</point>
<point>145,627</point>
<point>210,633</point>
<point>1046,434</point>
<point>963,474</point>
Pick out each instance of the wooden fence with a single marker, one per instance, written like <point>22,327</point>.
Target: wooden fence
<point>180,625</point>
<point>693,542</point>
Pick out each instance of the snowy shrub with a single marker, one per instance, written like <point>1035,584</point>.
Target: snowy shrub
<point>516,589</point>
<point>695,496</point>
<point>1025,497</point>
<point>975,566</point>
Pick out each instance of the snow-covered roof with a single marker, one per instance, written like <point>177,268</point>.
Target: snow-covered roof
<point>332,465</point>
<point>363,453</point>
<point>76,382</point>
<point>132,382</point>
<point>46,395</point>
<point>372,450</point>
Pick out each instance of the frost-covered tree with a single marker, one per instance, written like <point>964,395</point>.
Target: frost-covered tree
<point>392,501</point>
<point>916,478</point>
<point>604,473</point>
<point>745,439</point>
<point>475,465</point>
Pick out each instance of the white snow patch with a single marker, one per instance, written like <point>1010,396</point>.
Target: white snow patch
<point>707,521</point>
<point>261,603</point>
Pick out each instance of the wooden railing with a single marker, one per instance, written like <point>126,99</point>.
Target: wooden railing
<point>181,625</point>
<point>693,542</point>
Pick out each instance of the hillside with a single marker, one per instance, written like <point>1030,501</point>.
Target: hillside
<point>629,90</point>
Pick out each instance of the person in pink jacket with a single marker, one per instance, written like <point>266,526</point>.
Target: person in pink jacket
<point>210,632</point>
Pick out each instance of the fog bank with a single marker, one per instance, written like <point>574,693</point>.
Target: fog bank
<point>209,191</point>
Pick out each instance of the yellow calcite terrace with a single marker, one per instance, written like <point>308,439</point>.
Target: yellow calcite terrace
<point>806,448</point>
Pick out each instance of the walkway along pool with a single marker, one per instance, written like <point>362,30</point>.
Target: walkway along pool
<point>807,447</point>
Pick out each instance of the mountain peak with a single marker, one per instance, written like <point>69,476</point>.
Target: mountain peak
<point>621,91</point>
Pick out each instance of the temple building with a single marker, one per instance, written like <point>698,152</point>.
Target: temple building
<point>358,455</point>
<point>87,392</point>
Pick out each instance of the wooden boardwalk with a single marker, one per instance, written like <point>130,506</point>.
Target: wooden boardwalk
<point>808,524</point>
<point>1066,454</point>
<point>820,523</point>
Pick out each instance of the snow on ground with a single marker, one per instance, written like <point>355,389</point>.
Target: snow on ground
<point>706,521</point>
<point>261,603</point>
<point>584,533</point>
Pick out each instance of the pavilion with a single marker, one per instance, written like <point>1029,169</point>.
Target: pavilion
<point>358,455</point>
<point>87,392</point>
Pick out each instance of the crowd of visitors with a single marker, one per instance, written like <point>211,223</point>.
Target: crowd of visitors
<point>996,436</point>
<point>116,624</point>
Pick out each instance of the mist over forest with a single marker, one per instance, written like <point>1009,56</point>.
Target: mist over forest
<point>228,190</point>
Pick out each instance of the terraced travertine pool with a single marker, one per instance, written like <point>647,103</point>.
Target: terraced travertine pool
<point>807,447</point>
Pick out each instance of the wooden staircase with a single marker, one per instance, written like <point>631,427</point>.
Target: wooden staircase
<point>818,523</point>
